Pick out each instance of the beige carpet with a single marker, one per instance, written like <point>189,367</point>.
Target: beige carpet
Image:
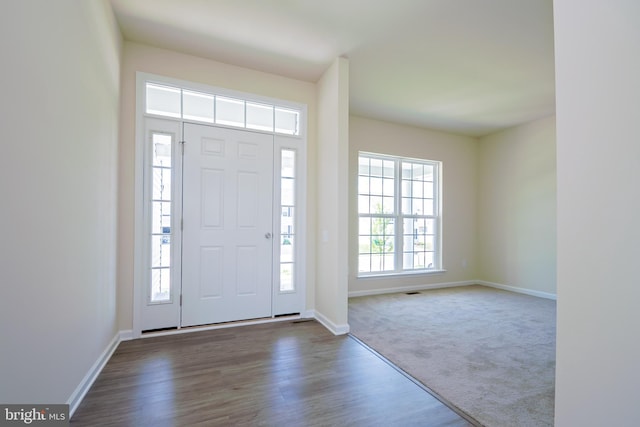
<point>489,352</point>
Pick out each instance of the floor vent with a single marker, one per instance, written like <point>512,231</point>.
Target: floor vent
<point>412,293</point>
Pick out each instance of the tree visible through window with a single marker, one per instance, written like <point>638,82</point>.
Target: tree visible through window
<point>398,210</point>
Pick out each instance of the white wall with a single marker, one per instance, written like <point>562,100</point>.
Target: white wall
<point>458,155</point>
<point>333,196</point>
<point>598,139</point>
<point>138,57</point>
<point>59,115</point>
<point>517,207</point>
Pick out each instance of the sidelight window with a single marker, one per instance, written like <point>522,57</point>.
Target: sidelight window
<point>287,220</point>
<point>161,199</point>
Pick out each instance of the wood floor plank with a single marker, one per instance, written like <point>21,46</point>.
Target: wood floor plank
<point>278,374</point>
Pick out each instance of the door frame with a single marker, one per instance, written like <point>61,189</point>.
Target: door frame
<point>298,143</point>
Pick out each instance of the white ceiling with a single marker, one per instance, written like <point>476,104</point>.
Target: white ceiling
<point>464,66</point>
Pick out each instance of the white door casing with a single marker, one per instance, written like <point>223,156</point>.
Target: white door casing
<point>151,313</point>
<point>165,314</point>
<point>227,237</point>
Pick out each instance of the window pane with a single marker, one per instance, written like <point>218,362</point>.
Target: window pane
<point>286,221</point>
<point>388,205</point>
<point>418,207</point>
<point>363,166</point>
<point>418,171</point>
<point>363,204</point>
<point>161,149</point>
<point>388,187</point>
<point>160,251</point>
<point>197,106</point>
<point>161,184</point>
<point>382,234</point>
<point>160,285</point>
<point>428,206</point>
<point>286,277</point>
<point>260,116</point>
<point>416,189</point>
<point>287,121</point>
<point>406,206</point>
<point>428,190</point>
<point>286,249</point>
<point>428,260</point>
<point>406,171</point>
<point>363,185</point>
<point>376,186</point>
<point>428,173</point>
<point>418,243</point>
<point>388,169</point>
<point>163,100</point>
<point>364,263</point>
<point>287,190</point>
<point>288,163</point>
<point>389,262</point>
<point>364,226</point>
<point>375,204</point>
<point>377,262</point>
<point>229,111</point>
<point>160,217</point>
<point>364,245</point>
<point>376,167</point>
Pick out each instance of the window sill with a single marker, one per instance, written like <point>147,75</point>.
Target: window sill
<point>402,274</point>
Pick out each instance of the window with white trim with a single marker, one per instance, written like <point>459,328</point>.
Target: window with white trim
<point>398,215</point>
<point>175,102</point>
<point>287,220</point>
<point>161,199</point>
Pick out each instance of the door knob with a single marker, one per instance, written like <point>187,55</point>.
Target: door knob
<point>267,235</point>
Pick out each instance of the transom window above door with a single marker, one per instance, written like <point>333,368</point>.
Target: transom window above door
<point>175,102</point>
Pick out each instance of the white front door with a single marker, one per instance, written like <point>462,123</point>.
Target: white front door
<point>227,244</point>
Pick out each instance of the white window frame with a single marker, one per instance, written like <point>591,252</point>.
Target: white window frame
<point>398,217</point>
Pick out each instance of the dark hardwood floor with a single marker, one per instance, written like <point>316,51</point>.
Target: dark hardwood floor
<point>277,374</point>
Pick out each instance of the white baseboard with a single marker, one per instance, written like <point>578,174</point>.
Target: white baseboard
<point>411,288</point>
<point>126,335</point>
<point>525,291</point>
<point>80,392</point>
<point>335,329</point>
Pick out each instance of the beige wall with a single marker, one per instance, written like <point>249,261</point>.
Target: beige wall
<point>58,183</point>
<point>517,207</point>
<point>333,196</point>
<point>458,155</point>
<point>598,139</point>
<point>137,57</point>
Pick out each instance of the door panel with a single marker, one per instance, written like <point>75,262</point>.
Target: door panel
<point>228,215</point>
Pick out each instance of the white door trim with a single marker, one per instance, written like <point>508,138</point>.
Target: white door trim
<point>298,142</point>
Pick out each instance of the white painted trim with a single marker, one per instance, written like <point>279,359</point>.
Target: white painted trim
<point>332,327</point>
<point>81,390</point>
<point>411,288</point>
<point>140,224</point>
<point>516,289</point>
<point>404,273</point>
<point>234,324</point>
